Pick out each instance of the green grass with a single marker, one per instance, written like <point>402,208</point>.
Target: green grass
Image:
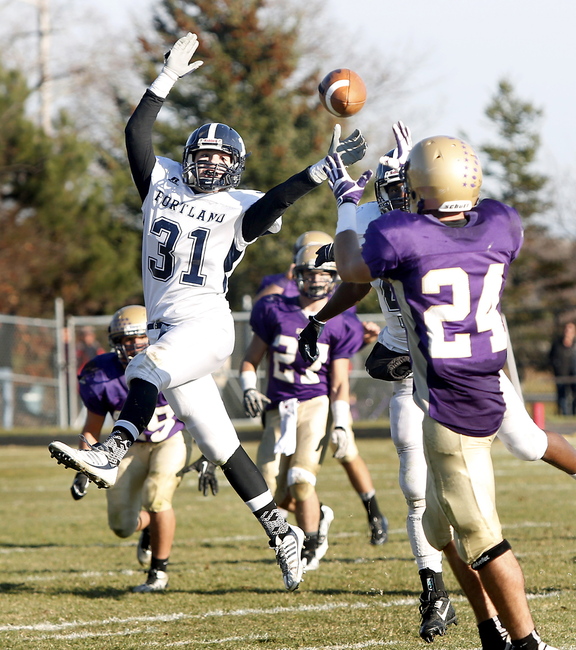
<point>65,579</point>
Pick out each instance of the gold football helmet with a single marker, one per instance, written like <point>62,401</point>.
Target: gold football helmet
<point>127,321</point>
<point>312,237</point>
<point>443,174</point>
<point>318,287</point>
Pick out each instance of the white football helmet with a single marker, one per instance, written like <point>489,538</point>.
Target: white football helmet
<point>443,174</point>
<point>128,321</point>
<point>319,287</point>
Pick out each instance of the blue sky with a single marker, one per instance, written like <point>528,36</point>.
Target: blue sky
<point>457,51</point>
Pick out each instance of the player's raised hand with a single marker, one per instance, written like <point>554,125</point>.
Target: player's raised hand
<point>344,188</point>
<point>351,149</point>
<point>177,62</point>
<point>308,340</point>
<point>403,147</point>
<point>254,402</point>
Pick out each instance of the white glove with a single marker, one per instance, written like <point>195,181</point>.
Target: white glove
<point>339,438</point>
<point>403,147</point>
<point>351,150</point>
<point>254,402</point>
<point>177,61</point>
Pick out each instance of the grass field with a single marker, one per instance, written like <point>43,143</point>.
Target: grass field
<point>66,580</point>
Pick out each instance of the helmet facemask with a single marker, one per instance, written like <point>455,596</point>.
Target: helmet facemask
<point>314,282</point>
<point>390,188</point>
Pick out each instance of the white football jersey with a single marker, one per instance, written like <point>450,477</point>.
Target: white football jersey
<point>191,244</point>
<point>393,335</point>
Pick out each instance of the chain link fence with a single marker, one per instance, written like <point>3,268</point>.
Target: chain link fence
<point>40,360</point>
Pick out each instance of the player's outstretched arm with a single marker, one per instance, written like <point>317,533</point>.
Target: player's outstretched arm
<point>138,133</point>
<point>91,433</point>
<point>261,215</point>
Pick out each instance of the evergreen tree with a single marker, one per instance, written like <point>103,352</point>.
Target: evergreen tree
<point>541,278</point>
<point>59,235</point>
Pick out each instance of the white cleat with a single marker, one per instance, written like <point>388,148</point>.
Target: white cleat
<point>94,462</point>
<point>156,581</point>
<point>289,556</point>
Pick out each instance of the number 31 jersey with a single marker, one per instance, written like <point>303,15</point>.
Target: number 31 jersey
<point>448,282</point>
<point>192,242</point>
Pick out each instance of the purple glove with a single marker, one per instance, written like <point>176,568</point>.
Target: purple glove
<point>344,188</point>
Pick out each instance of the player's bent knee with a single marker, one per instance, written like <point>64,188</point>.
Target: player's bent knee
<point>301,491</point>
<point>301,483</point>
<point>122,527</point>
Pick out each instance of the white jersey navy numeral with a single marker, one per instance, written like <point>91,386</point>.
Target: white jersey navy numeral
<point>162,267</point>
<point>487,316</point>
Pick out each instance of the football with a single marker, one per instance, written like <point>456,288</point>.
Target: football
<point>342,92</point>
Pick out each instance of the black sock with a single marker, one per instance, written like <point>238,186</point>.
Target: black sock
<point>530,642</point>
<point>249,484</point>
<point>139,406</point>
<point>493,634</point>
<point>310,541</point>
<point>159,565</point>
<point>371,505</point>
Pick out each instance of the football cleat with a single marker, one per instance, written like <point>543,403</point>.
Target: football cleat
<point>144,550</point>
<point>378,530</point>
<point>326,518</point>
<point>156,581</point>
<point>96,462</point>
<point>289,556</point>
<point>437,614</point>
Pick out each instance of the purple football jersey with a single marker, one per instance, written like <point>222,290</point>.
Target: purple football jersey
<point>278,321</point>
<point>103,390</point>
<point>449,282</point>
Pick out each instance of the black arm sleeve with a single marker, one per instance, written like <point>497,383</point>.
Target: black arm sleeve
<point>139,147</point>
<point>262,214</point>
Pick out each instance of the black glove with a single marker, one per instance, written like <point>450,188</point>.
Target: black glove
<point>79,486</point>
<point>206,475</point>
<point>324,254</point>
<point>387,365</point>
<point>254,402</point>
<point>308,339</point>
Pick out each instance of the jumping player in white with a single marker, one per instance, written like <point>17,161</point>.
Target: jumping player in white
<point>197,225</point>
<point>447,260</point>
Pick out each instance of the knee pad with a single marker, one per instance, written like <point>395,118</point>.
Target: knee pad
<point>491,554</point>
<point>301,483</point>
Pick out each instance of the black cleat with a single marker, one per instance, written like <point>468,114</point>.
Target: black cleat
<point>378,530</point>
<point>437,614</point>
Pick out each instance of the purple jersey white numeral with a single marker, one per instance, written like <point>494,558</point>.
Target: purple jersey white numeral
<point>449,282</point>
<point>103,390</point>
<point>278,321</point>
